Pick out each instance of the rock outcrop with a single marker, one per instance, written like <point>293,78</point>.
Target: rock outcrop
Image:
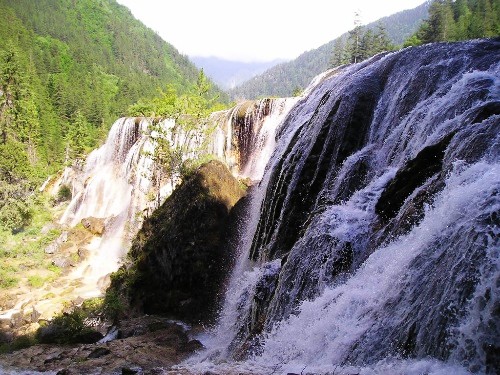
<point>143,346</point>
<point>178,257</point>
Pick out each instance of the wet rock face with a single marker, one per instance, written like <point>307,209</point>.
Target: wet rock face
<point>177,257</point>
<point>364,162</point>
<point>427,163</point>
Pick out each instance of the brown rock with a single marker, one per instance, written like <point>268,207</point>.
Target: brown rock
<point>156,349</point>
<point>62,262</point>
<point>99,352</point>
<point>83,253</point>
<point>94,225</point>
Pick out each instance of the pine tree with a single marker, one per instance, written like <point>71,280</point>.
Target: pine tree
<point>463,17</point>
<point>458,20</point>
<point>10,77</point>
<point>354,39</point>
<point>79,137</point>
<point>440,23</point>
<point>340,55</point>
<point>381,40</point>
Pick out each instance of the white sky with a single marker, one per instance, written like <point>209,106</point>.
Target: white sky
<point>256,30</point>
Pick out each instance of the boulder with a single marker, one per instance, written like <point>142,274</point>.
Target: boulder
<point>99,352</point>
<point>83,253</point>
<point>62,262</point>
<point>94,225</point>
<point>52,248</point>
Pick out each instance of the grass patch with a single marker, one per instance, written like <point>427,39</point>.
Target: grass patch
<point>25,250</point>
<point>36,281</point>
<point>8,281</point>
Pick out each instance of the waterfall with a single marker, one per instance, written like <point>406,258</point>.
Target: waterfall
<point>245,135</point>
<point>372,244</point>
<point>115,183</point>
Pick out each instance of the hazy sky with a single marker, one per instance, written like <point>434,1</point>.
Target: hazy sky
<point>256,30</point>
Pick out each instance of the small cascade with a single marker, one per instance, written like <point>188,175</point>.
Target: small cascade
<point>372,245</point>
<point>113,186</point>
<point>245,136</point>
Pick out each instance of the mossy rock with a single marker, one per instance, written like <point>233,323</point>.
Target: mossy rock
<point>178,257</point>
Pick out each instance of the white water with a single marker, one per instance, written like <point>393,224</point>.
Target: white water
<point>116,180</point>
<point>263,139</point>
<point>251,133</point>
<point>339,325</point>
<point>322,340</point>
<point>323,331</point>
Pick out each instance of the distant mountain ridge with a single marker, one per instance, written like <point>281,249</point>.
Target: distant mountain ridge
<point>283,79</point>
<point>228,73</point>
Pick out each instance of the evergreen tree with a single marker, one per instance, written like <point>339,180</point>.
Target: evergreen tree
<point>340,56</point>
<point>463,17</point>
<point>79,137</point>
<point>361,44</point>
<point>70,68</point>
<point>381,40</point>
<point>10,92</point>
<point>440,22</point>
<point>459,20</point>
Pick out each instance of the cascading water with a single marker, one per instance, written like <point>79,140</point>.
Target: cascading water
<point>244,136</point>
<point>115,183</point>
<point>375,244</point>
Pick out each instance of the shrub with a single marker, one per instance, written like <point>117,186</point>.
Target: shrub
<point>68,328</point>
<point>114,305</point>
<point>64,194</point>
<point>7,278</point>
<point>19,342</point>
<point>15,215</point>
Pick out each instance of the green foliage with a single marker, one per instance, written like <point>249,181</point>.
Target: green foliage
<point>7,277</point>
<point>458,20</point>
<point>64,193</point>
<point>24,250</point>
<point>361,44</point>
<point>14,163</point>
<point>15,215</point>
<point>19,342</point>
<point>68,69</point>
<point>413,41</point>
<point>114,306</point>
<point>72,327</point>
<point>190,166</point>
<point>36,281</point>
<point>190,113</point>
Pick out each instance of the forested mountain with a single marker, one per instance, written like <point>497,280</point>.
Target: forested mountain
<point>284,79</point>
<point>227,74</point>
<point>68,69</point>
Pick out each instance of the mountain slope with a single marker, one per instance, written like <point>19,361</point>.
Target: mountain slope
<point>79,65</point>
<point>283,79</point>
